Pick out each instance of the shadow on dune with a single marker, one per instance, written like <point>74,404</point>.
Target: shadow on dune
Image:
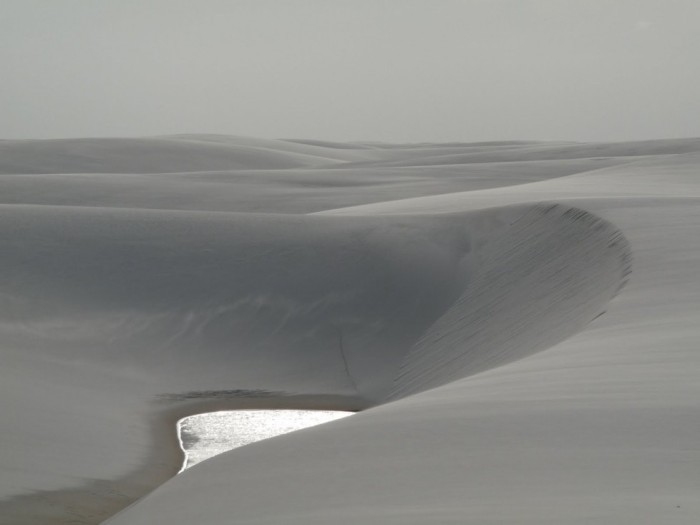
<point>545,276</point>
<point>192,312</point>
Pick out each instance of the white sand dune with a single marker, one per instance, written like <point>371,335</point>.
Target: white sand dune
<point>275,191</point>
<point>477,307</point>
<point>152,155</point>
<point>537,151</point>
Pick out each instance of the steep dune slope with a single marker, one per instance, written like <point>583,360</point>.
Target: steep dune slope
<point>552,270</point>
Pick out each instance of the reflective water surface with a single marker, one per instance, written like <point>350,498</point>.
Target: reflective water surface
<point>206,435</point>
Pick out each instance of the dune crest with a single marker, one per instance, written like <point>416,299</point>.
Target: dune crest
<point>147,155</point>
<point>547,271</point>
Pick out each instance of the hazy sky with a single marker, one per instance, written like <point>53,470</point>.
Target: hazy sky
<point>394,70</point>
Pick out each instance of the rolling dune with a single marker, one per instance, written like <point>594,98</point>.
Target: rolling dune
<point>149,155</point>
<point>545,276</point>
<point>476,308</point>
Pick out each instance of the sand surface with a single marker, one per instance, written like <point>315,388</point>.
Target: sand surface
<point>518,322</point>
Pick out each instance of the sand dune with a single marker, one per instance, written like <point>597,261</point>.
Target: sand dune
<point>545,151</point>
<point>549,272</point>
<point>277,191</point>
<point>478,311</point>
<point>153,155</point>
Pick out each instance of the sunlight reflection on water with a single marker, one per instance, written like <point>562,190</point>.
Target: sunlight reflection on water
<point>206,435</point>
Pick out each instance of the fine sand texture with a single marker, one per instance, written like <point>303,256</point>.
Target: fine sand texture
<point>518,323</point>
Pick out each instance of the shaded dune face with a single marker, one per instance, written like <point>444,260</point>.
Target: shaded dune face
<point>373,307</point>
<point>209,302</point>
<point>544,275</point>
<point>185,312</point>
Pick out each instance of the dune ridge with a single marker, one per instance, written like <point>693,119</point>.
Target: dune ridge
<point>552,271</point>
<point>147,155</point>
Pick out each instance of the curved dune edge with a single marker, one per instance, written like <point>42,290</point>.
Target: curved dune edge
<point>434,270</point>
<point>550,272</point>
<point>539,276</point>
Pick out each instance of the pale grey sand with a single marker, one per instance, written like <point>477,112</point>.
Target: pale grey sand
<point>512,369</point>
<point>474,223</point>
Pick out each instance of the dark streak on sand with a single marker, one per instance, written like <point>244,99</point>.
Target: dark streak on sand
<point>222,394</point>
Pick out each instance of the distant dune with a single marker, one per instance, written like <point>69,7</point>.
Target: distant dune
<point>517,322</point>
<point>152,155</point>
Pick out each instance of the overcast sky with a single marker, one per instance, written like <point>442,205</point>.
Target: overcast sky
<point>393,70</point>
